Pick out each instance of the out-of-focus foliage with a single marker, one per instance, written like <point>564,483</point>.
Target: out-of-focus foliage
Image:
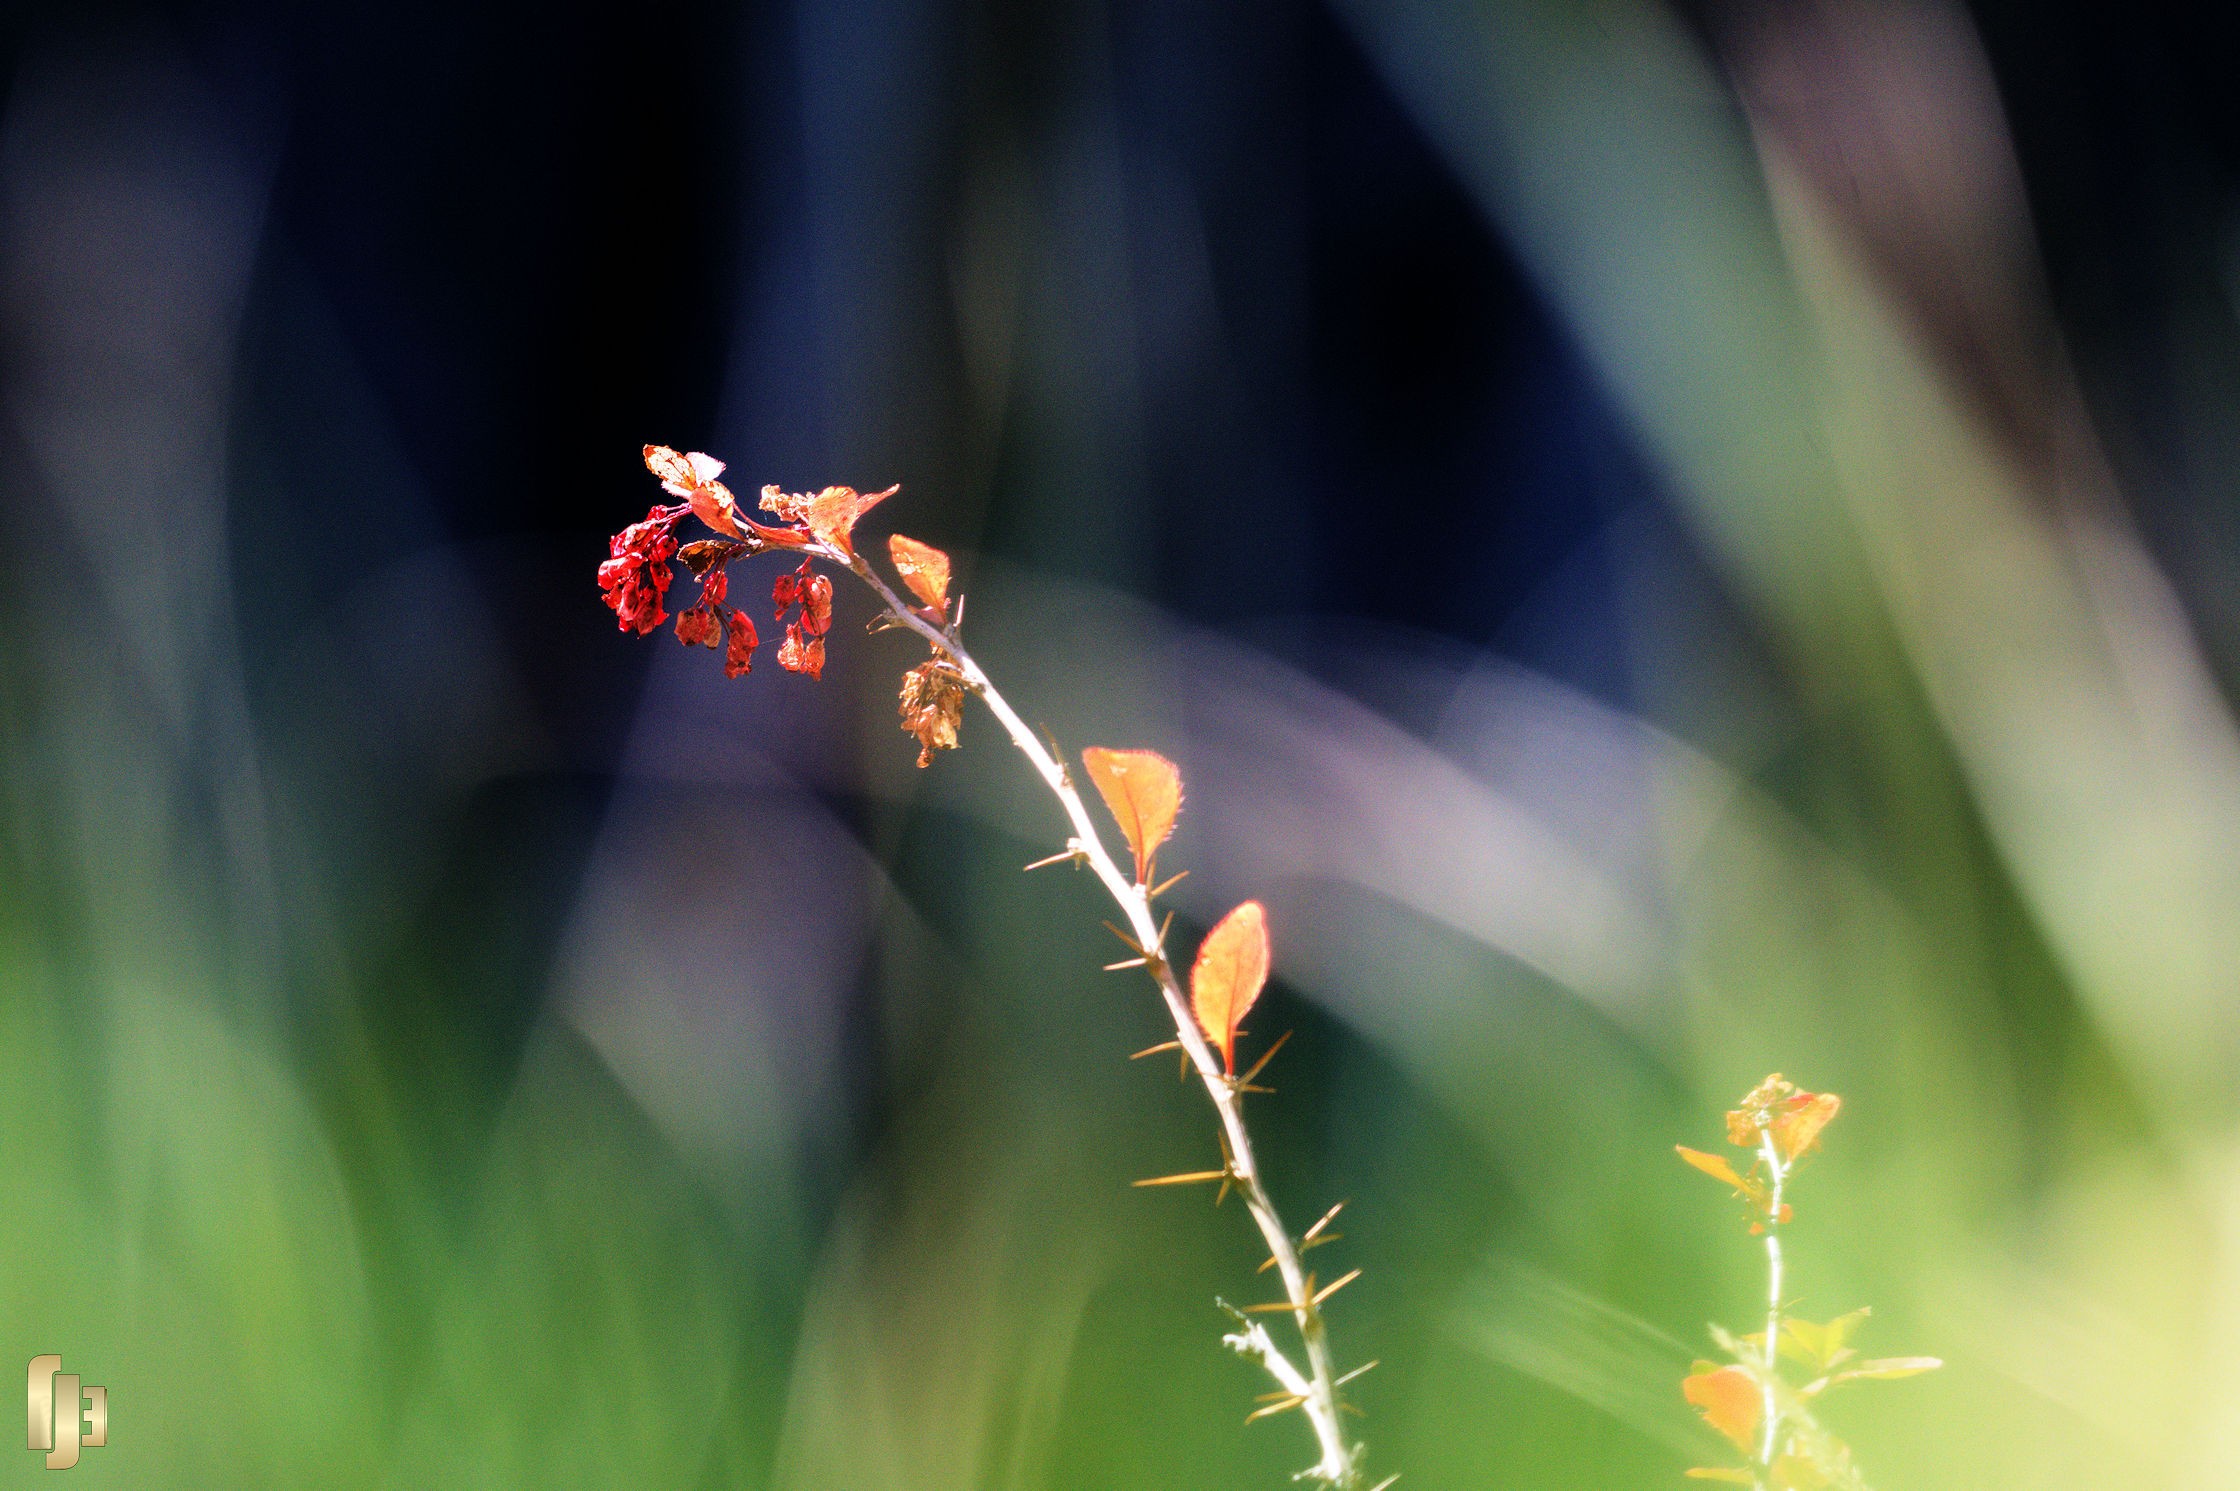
<point>1754,617</point>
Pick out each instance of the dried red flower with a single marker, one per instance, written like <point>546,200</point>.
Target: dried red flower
<point>738,652</point>
<point>636,576</point>
<point>800,653</point>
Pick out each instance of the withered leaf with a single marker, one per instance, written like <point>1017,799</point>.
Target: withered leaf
<point>923,568</point>
<point>1231,969</point>
<point>702,554</point>
<point>1144,791</point>
<point>932,708</point>
<point>1729,1400</point>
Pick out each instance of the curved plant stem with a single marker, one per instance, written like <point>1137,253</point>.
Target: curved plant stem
<point>1317,1385</point>
<point>1772,1155</point>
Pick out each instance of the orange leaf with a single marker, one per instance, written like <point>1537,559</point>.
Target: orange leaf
<point>1801,1119</point>
<point>833,513</point>
<point>923,568</point>
<point>1712,1165</point>
<point>1232,967</point>
<point>1144,792</point>
<point>1728,1400</point>
<point>693,478</point>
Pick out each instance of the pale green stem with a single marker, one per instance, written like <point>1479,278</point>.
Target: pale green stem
<point>1780,1175</point>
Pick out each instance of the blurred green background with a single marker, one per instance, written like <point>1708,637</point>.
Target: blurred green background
<point>1669,543</point>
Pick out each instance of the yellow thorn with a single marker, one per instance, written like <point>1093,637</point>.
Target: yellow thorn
<point>1163,926</point>
<point>1123,963</point>
<point>1309,1234</point>
<point>1168,884</point>
<point>1349,1408</point>
<point>1356,1372</point>
<point>1126,941</point>
<point>1249,1087</point>
<point>1385,1484</point>
<point>1281,1305</point>
<point>1334,1286</point>
<point>1071,851</point>
<point>1308,1244</point>
<point>1189,1178</point>
<point>1265,1057</point>
<point>1155,1050</point>
<point>1290,1401</point>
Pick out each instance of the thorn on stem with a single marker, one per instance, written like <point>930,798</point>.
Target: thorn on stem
<point>1333,1287</point>
<point>1187,1178</point>
<point>1265,1057</point>
<point>1167,884</point>
<point>1287,1402</point>
<point>1327,1217</point>
<point>1073,851</point>
<point>1155,1050</point>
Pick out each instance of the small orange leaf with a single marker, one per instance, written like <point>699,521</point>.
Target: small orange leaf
<point>1712,1165</point>
<point>923,568</point>
<point>1800,1120</point>
<point>1144,791</point>
<point>1728,1400</point>
<point>834,512</point>
<point>693,478</point>
<point>1231,969</point>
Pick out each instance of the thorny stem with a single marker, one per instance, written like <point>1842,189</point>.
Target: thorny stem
<point>1779,1173</point>
<point>1317,1385</point>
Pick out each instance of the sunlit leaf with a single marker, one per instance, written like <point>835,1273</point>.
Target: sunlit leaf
<point>1796,1126</point>
<point>1729,1400</point>
<point>692,477</point>
<point>1144,792</point>
<point>834,512</point>
<point>923,568</point>
<point>1231,969</point>
<point>1819,1347</point>
<point>1712,1165</point>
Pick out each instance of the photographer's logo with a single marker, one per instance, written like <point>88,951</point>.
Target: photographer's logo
<point>60,1407</point>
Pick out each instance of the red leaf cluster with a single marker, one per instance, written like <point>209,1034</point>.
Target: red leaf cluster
<point>1792,1117</point>
<point>635,580</point>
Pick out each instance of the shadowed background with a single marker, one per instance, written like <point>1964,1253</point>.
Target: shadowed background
<point>1667,542</point>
